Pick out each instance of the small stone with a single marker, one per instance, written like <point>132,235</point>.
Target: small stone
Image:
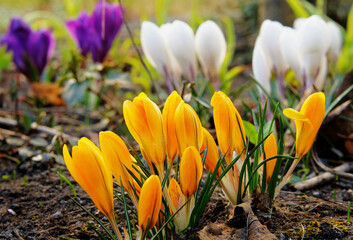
<point>282,236</point>
<point>39,142</point>
<point>57,214</point>
<point>59,159</point>
<point>317,194</point>
<point>291,204</point>
<point>15,141</point>
<point>25,153</point>
<point>62,202</point>
<point>12,212</point>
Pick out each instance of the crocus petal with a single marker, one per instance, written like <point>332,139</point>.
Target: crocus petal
<point>118,158</point>
<point>181,42</point>
<point>107,21</point>
<point>144,121</point>
<point>188,127</point>
<point>168,114</point>
<point>40,47</point>
<point>289,48</point>
<point>211,48</point>
<point>174,192</point>
<point>270,33</point>
<point>95,177</point>
<point>261,68</point>
<point>229,125</point>
<point>322,75</point>
<point>314,41</point>
<point>190,171</point>
<point>336,41</point>
<point>307,121</point>
<point>270,148</point>
<point>155,48</point>
<point>150,203</point>
<point>212,156</point>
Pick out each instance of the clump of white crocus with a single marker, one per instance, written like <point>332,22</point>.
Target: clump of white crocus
<point>181,41</point>
<point>158,54</point>
<point>211,50</point>
<point>336,41</point>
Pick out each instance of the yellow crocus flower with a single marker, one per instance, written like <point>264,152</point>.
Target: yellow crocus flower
<point>144,121</point>
<point>270,148</point>
<point>228,124</point>
<point>119,160</point>
<point>174,192</point>
<point>168,114</point>
<point>190,171</point>
<point>150,203</point>
<point>188,127</point>
<point>91,172</point>
<point>307,121</point>
<point>212,156</point>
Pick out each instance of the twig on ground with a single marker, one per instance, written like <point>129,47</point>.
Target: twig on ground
<point>323,178</point>
<point>40,128</point>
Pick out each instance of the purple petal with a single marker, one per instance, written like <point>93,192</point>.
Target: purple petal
<point>108,27</point>
<point>40,46</point>
<point>81,31</point>
<point>20,30</point>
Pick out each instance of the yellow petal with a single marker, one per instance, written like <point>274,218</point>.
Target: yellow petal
<point>190,171</point>
<point>91,172</point>
<point>229,125</point>
<point>168,114</point>
<point>150,203</point>
<point>188,127</point>
<point>307,121</point>
<point>174,192</point>
<point>270,149</point>
<point>212,156</point>
<point>144,121</point>
<point>118,157</point>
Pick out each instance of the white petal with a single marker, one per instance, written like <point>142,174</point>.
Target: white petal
<point>270,33</point>
<point>336,41</point>
<point>289,48</point>
<point>181,42</point>
<point>314,41</point>
<point>261,69</point>
<point>210,47</point>
<point>298,22</point>
<point>154,47</point>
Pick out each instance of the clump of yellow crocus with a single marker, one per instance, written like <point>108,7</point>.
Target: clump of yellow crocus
<point>307,123</point>
<point>229,126</point>
<point>150,203</point>
<point>144,121</point>
<point>119,159</point>
<point>168,114</point>
<point>91,172</point>
<point>178,199</point>
<point>188,127</point>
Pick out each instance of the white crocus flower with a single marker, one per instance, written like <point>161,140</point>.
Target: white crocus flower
<point>211,49</point>
<point>261,68</point>
<point>157,53</point>
<point>270,33</point>
<point>181,41</point>
<point>289,48</point>
<point>314,41</point>
<point>336,41</point>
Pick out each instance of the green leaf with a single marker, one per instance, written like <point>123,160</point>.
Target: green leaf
<point>298,8</point>
<point>295,179</point>
<point>250,131</point>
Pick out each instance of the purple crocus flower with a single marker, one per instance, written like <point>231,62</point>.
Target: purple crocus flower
<point>96,33</point>
<point>107,21</point>
<point>31,50</point>
<point>82,32</point>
